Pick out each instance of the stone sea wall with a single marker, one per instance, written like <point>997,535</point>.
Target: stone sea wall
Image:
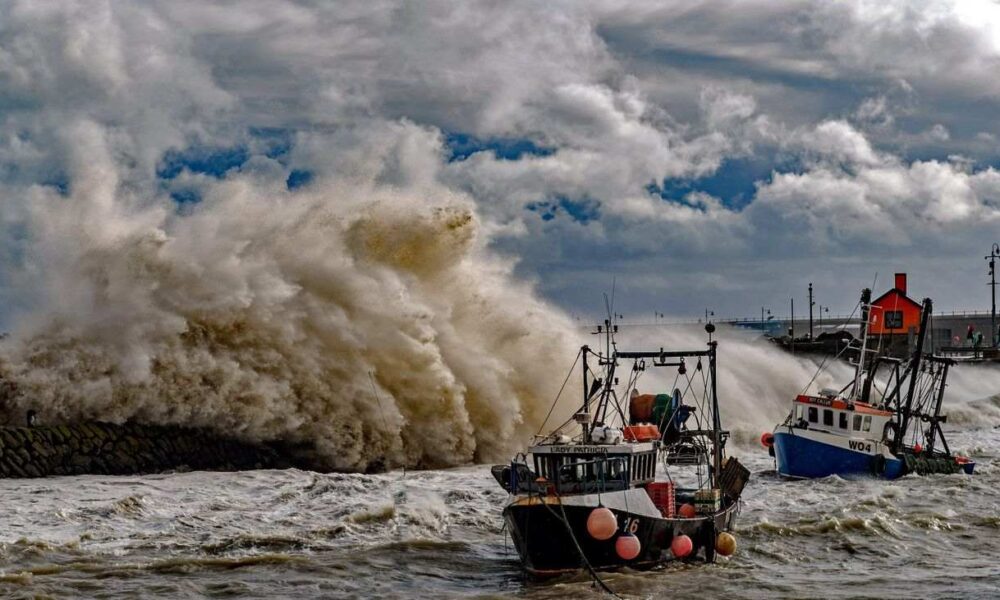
<point>109,449</point>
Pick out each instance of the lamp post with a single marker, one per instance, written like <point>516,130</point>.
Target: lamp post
<point>994,255</point>
<point>707,313</point>
<point>791,330</point>
<point>811,304</point>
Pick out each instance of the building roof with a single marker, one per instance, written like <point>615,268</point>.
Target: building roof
<point>901,294</point>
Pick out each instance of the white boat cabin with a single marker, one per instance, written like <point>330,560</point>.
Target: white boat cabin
<point>839,417</point>
<point>577,467</point>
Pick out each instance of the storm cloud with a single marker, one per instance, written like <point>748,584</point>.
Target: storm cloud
<point>715,154</point>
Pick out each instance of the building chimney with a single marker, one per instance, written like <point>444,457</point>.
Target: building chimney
<point>901,282</point>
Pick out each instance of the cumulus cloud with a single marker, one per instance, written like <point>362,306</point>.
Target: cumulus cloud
<point>710,150</point>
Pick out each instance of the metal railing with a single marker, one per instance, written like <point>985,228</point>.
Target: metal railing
<point>826,320</point>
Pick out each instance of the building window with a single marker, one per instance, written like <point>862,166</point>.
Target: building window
<point>893,319</point>
<point>843,420</point>
<point>813,414</point>
<point>857,422</point>
<point>828,417</point>
<point>867,426</point>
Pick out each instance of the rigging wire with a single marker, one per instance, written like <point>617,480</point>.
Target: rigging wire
<point>583,557</point>
<point>561,388</point>
<point>822,364</point>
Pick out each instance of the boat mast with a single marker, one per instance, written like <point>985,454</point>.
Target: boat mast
<point>914,369</point>
<point>716,420</point>
<point>586,392</point>
<point>866,298</point>
<point>938,419</point>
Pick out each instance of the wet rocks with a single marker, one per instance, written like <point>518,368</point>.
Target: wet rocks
<point>110,449</point>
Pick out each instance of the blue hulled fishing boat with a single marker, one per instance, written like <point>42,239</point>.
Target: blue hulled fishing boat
<point>864,430</point>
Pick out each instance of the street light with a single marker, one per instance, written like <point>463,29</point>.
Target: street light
<point>811,304</point>
<point>994,255</point>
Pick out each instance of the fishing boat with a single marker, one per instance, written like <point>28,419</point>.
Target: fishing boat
<point>862,430</point>
<point>589,495</point>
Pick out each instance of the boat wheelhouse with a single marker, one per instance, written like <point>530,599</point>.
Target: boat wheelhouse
<point>580,469</point>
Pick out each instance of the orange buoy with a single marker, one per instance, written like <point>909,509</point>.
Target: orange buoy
<point>627,546</point>
<point>767,439</point>
<point>725,544</point>
<point>602,523</point>
<point>687,511</point>
<point>681,546</point>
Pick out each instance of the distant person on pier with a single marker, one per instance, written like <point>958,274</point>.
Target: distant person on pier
<point>977,342</point>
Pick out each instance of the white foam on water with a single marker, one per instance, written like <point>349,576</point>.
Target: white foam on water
<point>261,312</point>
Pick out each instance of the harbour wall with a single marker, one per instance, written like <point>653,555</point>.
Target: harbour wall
<point>111,449</point>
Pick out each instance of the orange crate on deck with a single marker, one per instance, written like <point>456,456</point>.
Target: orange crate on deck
<point>644,432</point>
<point>662,495</point>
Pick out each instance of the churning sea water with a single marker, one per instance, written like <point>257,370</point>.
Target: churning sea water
<point>438,534</point>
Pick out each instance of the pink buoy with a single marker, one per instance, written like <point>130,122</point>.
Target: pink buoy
<point>627,546</point>
<point>681,546</point>
<point>687,511</point>
<point>602,523</point>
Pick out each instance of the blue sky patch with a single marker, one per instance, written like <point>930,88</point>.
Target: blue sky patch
<point>298,178</point>
<point>582,211</point>
<point>60,182</point>
<point>463,145</point>
<point>274,142</point>
<point>733,183</point>
<point>186,196</point>
<point>215,162</point>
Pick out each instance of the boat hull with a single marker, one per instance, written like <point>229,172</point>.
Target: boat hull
<point>812,454</point>
<point>550,534</point>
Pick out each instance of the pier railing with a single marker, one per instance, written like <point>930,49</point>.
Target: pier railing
<point>775,322</point>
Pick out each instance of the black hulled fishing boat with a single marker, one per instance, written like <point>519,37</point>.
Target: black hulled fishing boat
<point>589,494</point>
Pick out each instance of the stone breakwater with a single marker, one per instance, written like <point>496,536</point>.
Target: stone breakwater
<point>109,449</point>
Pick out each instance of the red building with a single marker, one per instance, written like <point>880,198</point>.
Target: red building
<point>894,313</point>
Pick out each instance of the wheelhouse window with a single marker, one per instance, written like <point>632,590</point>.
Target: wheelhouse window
<point>857,422</point>
<point>843,420</point>
<point>828,417</point>
<point>643,467</point>
<point>798,412</point>
<point>867,424</point>
<point>893,319</point>
<point>813,414</point>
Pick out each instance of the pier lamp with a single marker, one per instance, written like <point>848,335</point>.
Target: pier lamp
<point>994,255</point>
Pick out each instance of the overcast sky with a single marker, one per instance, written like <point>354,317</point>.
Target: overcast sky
<point>715,154</point>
